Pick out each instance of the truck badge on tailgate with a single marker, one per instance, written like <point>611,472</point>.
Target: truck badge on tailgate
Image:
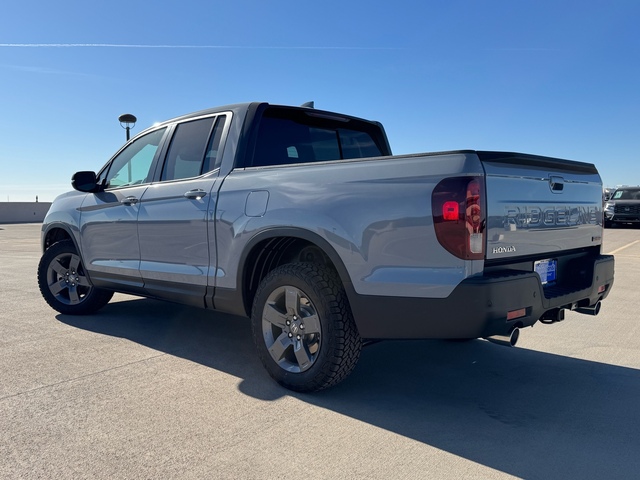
<point>531,216</point>
<point>509,249</point>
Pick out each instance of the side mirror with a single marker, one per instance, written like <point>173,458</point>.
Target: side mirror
<point>85,182</point>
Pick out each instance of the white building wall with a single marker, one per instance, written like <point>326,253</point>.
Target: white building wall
<point>23,212</point>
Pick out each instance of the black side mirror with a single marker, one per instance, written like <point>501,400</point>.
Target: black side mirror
<point>85,182</point>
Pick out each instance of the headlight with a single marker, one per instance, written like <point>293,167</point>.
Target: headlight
<point>609,207</point>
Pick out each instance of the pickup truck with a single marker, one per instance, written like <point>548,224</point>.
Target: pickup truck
<point>303,221</point>
<point>623,206</point>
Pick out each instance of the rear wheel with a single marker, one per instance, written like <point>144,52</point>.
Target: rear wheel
<point>64,283</point>
<point>303,328</point>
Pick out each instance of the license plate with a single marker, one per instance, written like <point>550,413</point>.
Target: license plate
<point>547,270</point>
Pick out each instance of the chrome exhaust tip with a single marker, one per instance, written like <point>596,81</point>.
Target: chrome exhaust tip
<point>508,340</point>
<point>592,310</point>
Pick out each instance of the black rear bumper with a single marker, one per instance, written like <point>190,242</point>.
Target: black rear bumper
<point>479,305</point>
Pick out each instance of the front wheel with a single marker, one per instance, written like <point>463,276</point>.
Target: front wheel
<point>64,283</point>
<point>303,328</point>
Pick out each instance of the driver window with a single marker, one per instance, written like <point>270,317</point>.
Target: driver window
<point>132,165</point>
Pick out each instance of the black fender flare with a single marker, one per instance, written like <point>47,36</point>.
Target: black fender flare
<point>59,226</point>
<point>236,302</point>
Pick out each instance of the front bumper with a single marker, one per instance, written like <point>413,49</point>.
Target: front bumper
<point>622,218</point>
<point>479,306</point>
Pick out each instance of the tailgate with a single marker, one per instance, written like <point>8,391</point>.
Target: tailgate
<point>537,206</point>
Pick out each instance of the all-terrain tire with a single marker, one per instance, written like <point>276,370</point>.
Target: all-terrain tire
<point>64,284</point>
<point>303,328</point>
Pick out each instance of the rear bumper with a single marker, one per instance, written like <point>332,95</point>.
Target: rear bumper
<point>478,307</point>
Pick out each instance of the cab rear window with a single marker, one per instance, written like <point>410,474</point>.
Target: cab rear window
<point>290,136</point>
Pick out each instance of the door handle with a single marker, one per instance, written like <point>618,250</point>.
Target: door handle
<point>195,194</point>
<point>129,201</point>
<point>556,183</point>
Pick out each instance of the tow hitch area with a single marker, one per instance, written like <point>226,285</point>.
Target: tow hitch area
<point>552,316</point>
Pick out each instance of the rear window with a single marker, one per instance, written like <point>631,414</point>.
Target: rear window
<point>289,136</point>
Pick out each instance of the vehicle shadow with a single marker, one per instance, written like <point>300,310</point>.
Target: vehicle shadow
<point>529,414</point>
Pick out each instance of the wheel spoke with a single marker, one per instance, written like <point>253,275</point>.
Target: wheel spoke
<point>273,316</point>
<point>57,287</point>
<point>57,267</point>
<point>311,324</point>
<point>279,346</point>
<point>301,355</point>
<point>74,263</point>
<point>84,281</point>
<point>292,301</point>
<point>73,296</point>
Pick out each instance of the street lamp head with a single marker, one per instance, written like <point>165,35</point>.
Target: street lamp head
<point>127,118</point>
<point>127,121</point>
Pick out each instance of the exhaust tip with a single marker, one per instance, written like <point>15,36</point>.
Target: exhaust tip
<point>508,340</point>
<point>592,310</point>
<point>515,336</point>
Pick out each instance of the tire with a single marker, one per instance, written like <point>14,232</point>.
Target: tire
<point>64,284</point>
<point>303,328</point>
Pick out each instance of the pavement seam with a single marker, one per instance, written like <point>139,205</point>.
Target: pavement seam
<point>89,375</point>
<point>623,247</point>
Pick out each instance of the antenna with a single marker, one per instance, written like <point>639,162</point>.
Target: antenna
<point>308,104</point>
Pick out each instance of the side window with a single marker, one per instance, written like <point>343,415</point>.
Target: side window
<point>194,149</point>
<point>289,137</point>
<point>132,165</point>
<point>213,158</point>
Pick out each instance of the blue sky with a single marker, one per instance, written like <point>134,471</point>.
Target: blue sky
<point>557,78</point>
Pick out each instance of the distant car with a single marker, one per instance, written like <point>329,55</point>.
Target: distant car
<point>623,206</point>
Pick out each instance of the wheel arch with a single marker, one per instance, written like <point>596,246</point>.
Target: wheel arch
<point>56,232</point>
<point>274,247</point>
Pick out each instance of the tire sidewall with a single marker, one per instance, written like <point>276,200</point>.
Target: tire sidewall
<point>319,373</point>
<point>93,300</point>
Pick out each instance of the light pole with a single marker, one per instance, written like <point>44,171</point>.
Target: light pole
<point>127,121</point>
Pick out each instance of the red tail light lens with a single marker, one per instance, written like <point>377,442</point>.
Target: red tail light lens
<point>450,211</point>
<point>458,207</point>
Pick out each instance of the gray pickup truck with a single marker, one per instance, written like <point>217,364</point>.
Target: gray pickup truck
<point>302,220</point>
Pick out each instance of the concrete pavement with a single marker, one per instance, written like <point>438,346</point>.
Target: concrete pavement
<point>145,389</point>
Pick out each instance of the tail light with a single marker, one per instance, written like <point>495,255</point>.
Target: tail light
<point>459,216</point>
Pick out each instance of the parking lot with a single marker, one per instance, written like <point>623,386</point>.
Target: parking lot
<point>145,389</point>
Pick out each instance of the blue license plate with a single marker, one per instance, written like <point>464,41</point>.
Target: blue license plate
<point>547,269</point>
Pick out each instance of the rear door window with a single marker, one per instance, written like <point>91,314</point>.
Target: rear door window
<point>194,149</point>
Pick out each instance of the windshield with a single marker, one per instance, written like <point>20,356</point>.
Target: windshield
<point>627,194</point>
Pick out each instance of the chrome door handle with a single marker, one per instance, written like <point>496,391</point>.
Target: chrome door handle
<point>195,194</point>
<point>129,201</point>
